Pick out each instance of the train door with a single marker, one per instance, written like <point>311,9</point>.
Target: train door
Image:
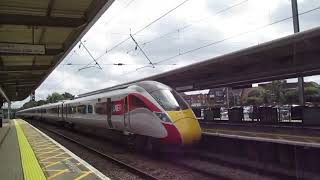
<point>126,114</point>
<point>58,112</point>
<point>109,112</point>
<point>62,112</point>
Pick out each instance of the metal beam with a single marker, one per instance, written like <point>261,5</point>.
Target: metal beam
<point>49,52</point>
<point>22,71</point>
<point>17,83</point>
<point>4,95</point>
<point>25,68</point>
<point>15,19</point>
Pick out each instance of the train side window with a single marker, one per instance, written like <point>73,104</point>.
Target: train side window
<point>73,110</point>
<point>101,108</point>
<point>69,109</point>
<point>90,110</point>
<point>82,109</point>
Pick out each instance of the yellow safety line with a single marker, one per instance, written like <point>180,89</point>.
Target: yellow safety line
<point>44,145</point>
<point>42,142</point>
<point>266,134</point>
<point>58,173</point>
<point>50,147</point>
<point>48,152</point>
<point>30,164</point>
<point>55,156</point>
<point>57,162</point>
<point>83,175</point>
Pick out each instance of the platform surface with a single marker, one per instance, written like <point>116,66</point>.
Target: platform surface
<point>27,153</point>
<point>10,161</point>
<point>305,137</point>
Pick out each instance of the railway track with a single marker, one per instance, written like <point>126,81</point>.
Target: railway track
<point>194,162</point>
<point>114,160</point>
<point>264,170</point>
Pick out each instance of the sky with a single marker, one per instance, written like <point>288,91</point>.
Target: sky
<point>171,41</point>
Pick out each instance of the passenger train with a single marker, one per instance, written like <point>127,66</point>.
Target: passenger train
<point>146,109</point>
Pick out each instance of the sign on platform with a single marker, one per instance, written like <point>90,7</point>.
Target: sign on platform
<point>22,48</point>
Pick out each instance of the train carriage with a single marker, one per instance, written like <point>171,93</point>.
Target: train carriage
<point>148,109</point>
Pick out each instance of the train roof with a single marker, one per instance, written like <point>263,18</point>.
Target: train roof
<point>148,85</point>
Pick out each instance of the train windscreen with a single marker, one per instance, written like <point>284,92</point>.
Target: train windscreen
<point>169,100</point>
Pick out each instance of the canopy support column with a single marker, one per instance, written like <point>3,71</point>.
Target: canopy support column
<point>296,28</point>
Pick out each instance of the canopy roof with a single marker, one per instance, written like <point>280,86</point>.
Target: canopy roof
<point>36,35</point>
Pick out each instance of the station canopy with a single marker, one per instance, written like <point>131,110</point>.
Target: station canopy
<point>35,36</point>
<point>288,57</point>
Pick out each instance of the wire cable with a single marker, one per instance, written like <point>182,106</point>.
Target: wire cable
<point>143,28</point>
<point>225,39</point>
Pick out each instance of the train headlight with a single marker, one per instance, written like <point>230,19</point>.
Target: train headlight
<point>163,116</point>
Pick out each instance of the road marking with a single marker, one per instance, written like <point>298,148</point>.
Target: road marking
<point>83,175</point>
<point>58,173</point>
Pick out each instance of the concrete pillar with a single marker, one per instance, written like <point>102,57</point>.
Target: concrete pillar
<point>228,97</point>
<point>9,109</point>
<point>296,29</point>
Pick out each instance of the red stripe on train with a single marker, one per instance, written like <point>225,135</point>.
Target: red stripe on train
<point>173,136</point>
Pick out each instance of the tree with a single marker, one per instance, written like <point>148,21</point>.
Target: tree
<point>253,101</point>
<point>256,96</point>
<point>277,91</point>
<point>67,95</point>
<point>54,97</point>
<point>29,104</point>
<point>41,102</point>
<point>311,91</point>
<point>291,97</point>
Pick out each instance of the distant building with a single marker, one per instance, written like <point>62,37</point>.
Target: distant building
<point>196,100</point>
<point>216,97</point>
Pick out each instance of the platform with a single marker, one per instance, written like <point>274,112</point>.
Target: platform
<point>293,136</point>
<point>27,153</point>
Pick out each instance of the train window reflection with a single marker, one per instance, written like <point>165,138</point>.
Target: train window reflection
<point>82,109</point>
<point>90,109</point>
<point>136,102</point>
<point>101,108</point>
<point>169,100</point>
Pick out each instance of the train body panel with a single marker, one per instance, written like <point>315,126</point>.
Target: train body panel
<point>147,108</point>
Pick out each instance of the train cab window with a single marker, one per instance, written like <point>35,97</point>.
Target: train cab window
<point>90,109</point>
<point>82,109</point>
<point>170,100</point>
<point>136,102</point>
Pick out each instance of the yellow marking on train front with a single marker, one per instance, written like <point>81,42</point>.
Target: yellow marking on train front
<point>187,125</point>
<point>58,173</point>
<point>83,175</point>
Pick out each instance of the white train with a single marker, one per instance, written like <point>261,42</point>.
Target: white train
<point>146,109</point>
